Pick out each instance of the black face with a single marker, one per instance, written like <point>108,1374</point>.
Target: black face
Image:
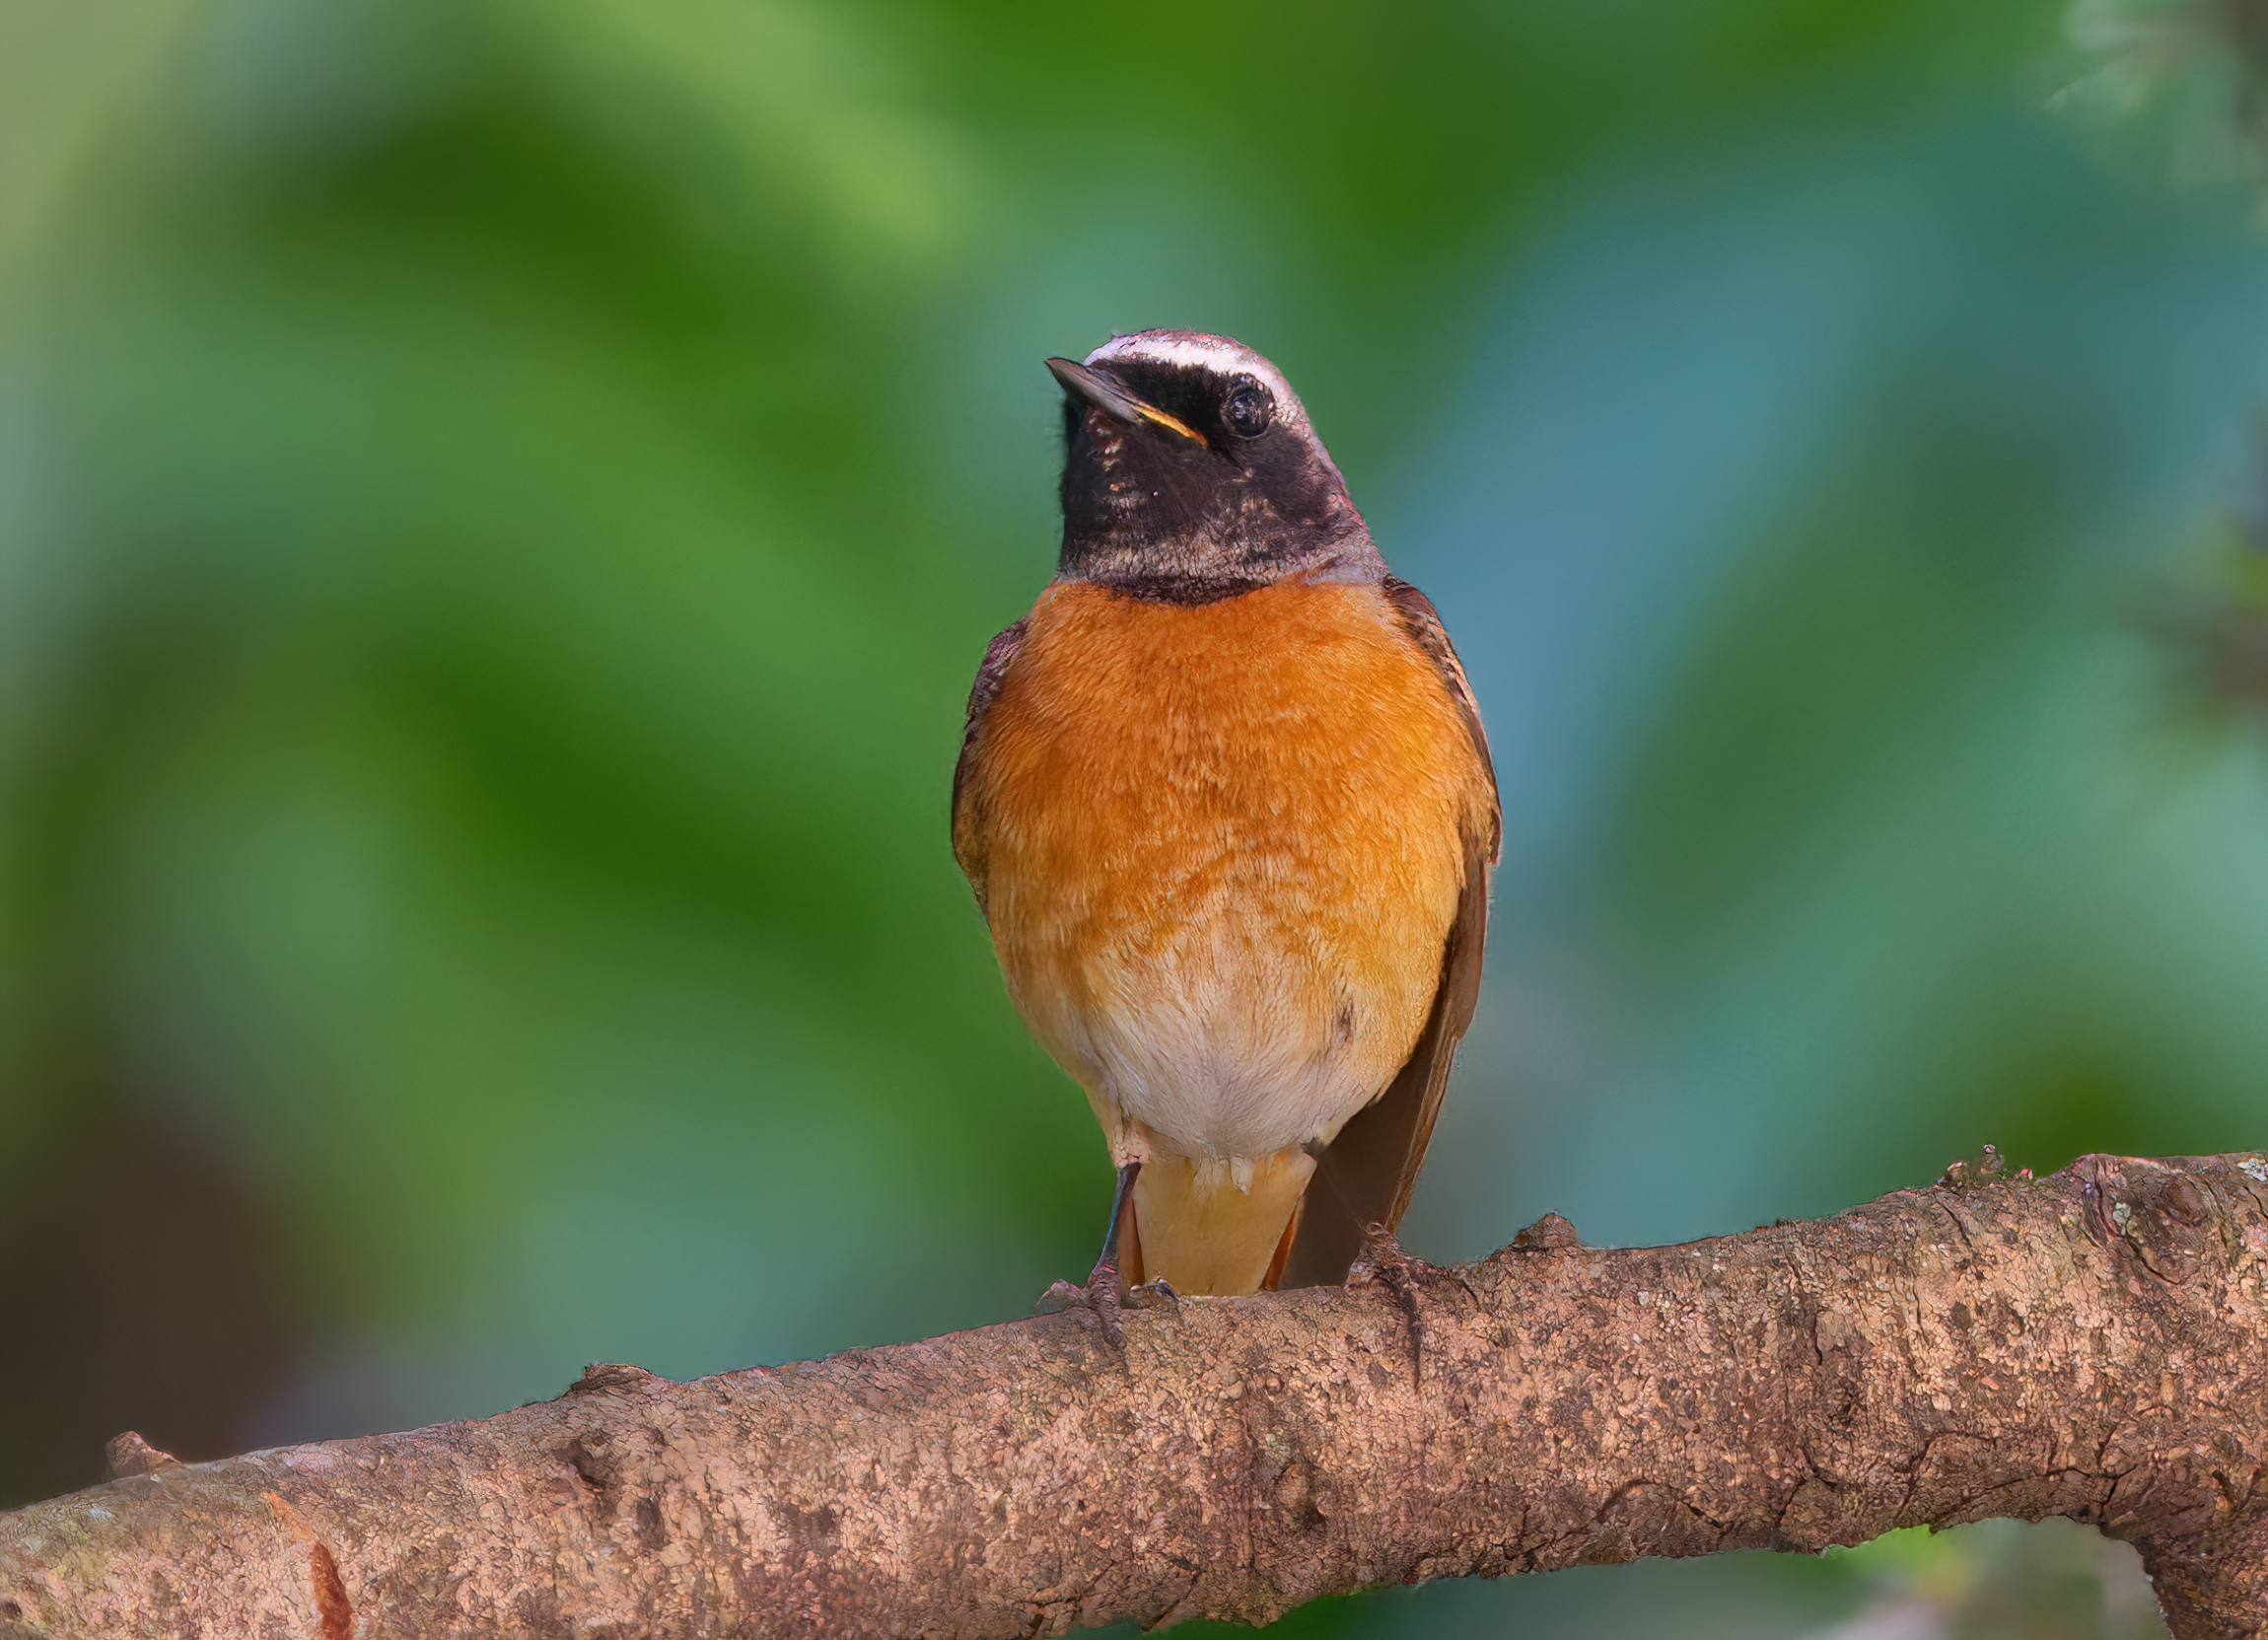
<point>1249,501</point>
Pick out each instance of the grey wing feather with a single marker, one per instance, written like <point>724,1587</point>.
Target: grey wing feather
<point>967,845</point>
<point>1367,1175</point>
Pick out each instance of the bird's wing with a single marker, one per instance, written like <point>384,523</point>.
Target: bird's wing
<point>1369,1170</point>
<point>967,825</point>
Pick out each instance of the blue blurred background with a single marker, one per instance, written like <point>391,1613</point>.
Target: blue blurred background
<point>500,504</point>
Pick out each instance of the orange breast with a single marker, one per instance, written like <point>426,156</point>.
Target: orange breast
<point>1218,850</point>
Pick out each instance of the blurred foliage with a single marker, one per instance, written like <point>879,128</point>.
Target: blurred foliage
<point>499,504</point>
<point>1998,1580</point>
<point>2197,69</point>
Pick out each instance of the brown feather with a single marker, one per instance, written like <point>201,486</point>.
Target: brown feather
<point>1369,1172</point>
<point>968,830</point>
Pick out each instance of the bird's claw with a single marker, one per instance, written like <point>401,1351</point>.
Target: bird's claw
<point>1152,1295</point>
<point>1104,1297</point>
<point>1059,1297</point>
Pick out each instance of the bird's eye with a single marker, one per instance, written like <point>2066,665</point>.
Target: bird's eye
<point>1248,409</point>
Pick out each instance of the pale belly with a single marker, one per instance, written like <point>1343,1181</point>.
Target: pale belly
<point>1218,1030</point>
<point>1219,849</point>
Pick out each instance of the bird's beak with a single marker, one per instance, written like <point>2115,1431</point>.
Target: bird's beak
<point>1109,396</point>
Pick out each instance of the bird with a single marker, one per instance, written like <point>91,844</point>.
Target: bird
<point>1228,814</point>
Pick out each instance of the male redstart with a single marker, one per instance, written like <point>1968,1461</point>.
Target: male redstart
<point>1230,817</point>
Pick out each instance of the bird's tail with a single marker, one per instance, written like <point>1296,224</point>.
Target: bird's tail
<point>1214,1226</point>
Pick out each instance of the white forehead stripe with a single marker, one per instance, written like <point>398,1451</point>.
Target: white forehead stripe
<point>1192,349</point>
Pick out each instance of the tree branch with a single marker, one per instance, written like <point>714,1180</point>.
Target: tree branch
<point>2089,1345</point>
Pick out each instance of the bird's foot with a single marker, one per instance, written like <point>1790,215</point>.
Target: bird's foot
<point>1383,1259</point>
<point>1383,1263</point>
<point>1104,1297</point>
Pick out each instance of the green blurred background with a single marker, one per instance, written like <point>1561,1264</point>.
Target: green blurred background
<point>500,503</point>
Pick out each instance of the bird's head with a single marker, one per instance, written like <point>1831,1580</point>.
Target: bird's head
<point>1190,474</point>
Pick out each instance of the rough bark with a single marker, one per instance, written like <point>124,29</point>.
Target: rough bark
<point>2089,1345</point>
